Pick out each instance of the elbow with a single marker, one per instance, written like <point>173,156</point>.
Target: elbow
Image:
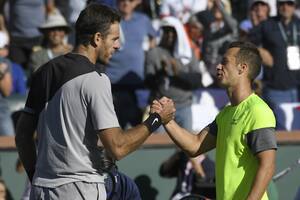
<point>117,152</point>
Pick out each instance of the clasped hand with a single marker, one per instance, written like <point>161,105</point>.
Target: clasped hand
<point>165,108</point>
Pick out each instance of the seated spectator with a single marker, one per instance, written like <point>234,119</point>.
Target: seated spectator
<point>54,32</point>
<point>191,175</point>
<point>17,72</point>
<point>6,124</point>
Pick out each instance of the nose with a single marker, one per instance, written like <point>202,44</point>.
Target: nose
<point>219,66</point>
<point>117,45</point>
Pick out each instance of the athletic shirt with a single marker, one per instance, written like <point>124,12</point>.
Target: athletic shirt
<point>242,131</point>
<point>72,101</point>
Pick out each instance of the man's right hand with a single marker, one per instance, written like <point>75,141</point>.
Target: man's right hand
<point>165,108</point>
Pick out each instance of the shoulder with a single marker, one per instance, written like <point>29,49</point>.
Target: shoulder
<point>261,113</point>
<point>141,16</point>
<point>39,52</point>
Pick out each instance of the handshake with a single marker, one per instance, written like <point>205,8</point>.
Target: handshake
<point>165,108</point>
<point>161,112</point>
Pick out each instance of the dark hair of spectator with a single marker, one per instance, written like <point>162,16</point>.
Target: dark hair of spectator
<point>94,18</point>
<point>248,53</point>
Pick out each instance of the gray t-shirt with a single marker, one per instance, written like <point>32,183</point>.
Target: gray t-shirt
<point>73,100</point>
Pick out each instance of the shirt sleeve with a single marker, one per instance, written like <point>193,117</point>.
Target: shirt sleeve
<point>38,92</point>
<point>213,128</point>
<point>151,31</point>
<point>100,102</point>
<point>261,140</point>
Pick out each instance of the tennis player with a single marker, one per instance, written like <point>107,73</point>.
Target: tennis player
<point>243,132</point>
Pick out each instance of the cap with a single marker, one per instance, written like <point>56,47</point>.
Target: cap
<point>259,1</point>
<point>55,20</point>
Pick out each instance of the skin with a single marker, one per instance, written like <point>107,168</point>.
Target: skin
<point>286,11</point>
<point>6,82</point>
<point>126,7</point>
<point>259,13</point>
<point>55,38</point>
<point>117,142</point>
<point>234,77</point>
<point>2,191</point>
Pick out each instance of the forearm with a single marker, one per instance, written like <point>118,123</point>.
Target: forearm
<point>6,85</point>
<point>267,58</point>
<point>188,142</point>
<point>133,138</point>
<point>263,177</point>
<point>120,143</point>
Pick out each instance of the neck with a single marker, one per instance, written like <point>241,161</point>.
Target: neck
<point>286,20</point>
<point>56,48</point>
<point>239,92</point>
<point>87,51</point>
<point>127,16</point>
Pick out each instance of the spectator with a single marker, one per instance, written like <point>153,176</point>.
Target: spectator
<point>195,32</point>
<point>172,70</point>
<point>55,30</point>
<point>17,72</point>
<point>25,16</point>
<point>126,67</point>
<point>280,36</point>
<point>189,174</point>
<point>6,124</point>
<point>182,10</point>
<point>221,31</point>
<point>259,11</point>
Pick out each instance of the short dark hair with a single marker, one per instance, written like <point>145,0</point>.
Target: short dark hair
<point>94,18</point>
<point>249,54</point>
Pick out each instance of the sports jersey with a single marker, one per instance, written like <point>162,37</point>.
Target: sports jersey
<point>242,131</point>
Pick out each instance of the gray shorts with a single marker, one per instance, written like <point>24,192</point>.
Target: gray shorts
<point>70,191</point>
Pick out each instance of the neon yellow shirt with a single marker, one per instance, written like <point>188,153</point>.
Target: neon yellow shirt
<point>236,165</point>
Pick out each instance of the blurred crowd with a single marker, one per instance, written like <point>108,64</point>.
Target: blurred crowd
<point>169,48</point>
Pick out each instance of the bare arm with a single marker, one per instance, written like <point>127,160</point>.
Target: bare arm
<point>267,58</point>
<point>6,85</point>
<point>120,143</point>
<point>192,144</point>
<point>266,168</point>
<point>25,142</point>
<point>5,80</point>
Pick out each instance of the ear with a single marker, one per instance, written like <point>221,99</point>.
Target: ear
<point>242,68</point>
<point>96,40</point>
